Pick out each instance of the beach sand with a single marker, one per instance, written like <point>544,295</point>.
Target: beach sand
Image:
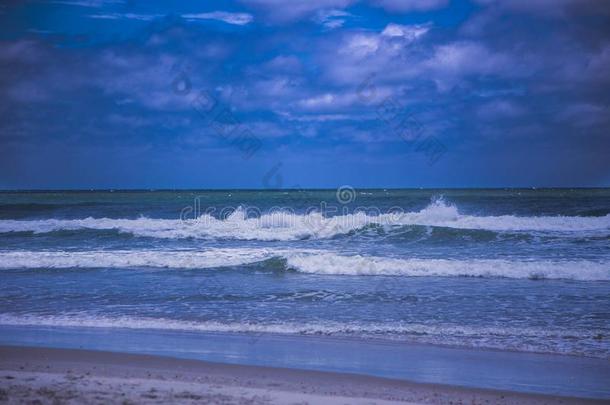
<point>82,376</point>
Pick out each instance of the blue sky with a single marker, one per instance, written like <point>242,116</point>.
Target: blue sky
<point>318,93</point>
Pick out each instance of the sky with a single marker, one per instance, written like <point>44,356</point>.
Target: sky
<point>304,93</point>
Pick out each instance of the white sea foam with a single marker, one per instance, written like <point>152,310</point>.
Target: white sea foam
<point>289,226</point>
<point>329,263</point>
<point>133,258</point>
<point>311,261</point>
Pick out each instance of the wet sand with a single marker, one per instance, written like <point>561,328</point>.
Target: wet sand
<point>84,376</point>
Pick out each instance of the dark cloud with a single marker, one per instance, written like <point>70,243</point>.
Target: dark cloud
<point>517,81</point>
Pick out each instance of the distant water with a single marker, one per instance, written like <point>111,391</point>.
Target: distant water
<point>525,270</point>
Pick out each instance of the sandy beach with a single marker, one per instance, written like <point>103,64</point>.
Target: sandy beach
<point>82,376</point>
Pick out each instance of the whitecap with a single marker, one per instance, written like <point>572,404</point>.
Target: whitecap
<point>284,226</point>
<point>311,261</point>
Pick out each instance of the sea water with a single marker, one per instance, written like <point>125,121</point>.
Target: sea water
<point>517,269</point>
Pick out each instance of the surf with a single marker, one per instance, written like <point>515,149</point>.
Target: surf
<point>310,261</point>
<point>285,226</point>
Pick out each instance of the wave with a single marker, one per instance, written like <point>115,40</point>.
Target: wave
<point>133,259</point>
<point>312,262</point>
<point>330,263</point>
<point>290,226</point>
<point>326,328</point>
<point>537,339</point>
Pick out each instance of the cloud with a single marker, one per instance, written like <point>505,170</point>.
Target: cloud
<point>361,45</point>
<point>392,53</point>
<point>598,66</point>
<point>283,63</point>
<point>408,32</point>
<point>321,101</point>
<point>283,11</point>
<point>404,6</point>
<point>544,6</point>
<point>267,129</point>
<point>318,117</point>
<point>459,63</point>
<point>536,76</point>
<point>21,51</point>
<point>135,121</point>
<point>343,100</point>
<point>549,8</point>
<point>468,57</point>
<point>499,109</point>
<point>128,16</point>
<point>332,19</point>
<point>88,3</point>
<point>584,115</point>
<point>28,92</point>
<point>224,16</point>
<point>365,44</point>
<point>274,88</point>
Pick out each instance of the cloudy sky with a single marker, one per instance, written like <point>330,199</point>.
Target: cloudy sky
<point>304,93</point>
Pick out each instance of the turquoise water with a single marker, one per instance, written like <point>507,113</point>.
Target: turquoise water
<point>523,270</point>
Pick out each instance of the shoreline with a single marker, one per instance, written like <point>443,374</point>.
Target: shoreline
<point>253,337</point>
<point>29,373</point>
<point>506,371</point>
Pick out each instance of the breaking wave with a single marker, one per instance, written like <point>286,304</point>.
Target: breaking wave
<point>289,226</point>
<point>311,261</point>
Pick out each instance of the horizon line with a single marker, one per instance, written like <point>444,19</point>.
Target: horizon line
<point>50,190</point>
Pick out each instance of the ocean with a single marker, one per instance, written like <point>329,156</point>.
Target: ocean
<point>521,270</point>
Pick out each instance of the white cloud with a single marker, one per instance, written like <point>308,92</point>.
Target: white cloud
<point>408,32</point>
<point>267,129</point>
<point>283,63</point>
<point>391,53</point>
<point>129,16</point>
<point>285,11</point>
<point>320,101</point>
<point>227,17</point>
<point>339,101</point>
<point>365,44</point>
<point>361,45</point>
<point>451,63</point>
<point>318,117</point>
<point>467,58</point>
<point>332,19</point>
<point>273,88</point>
